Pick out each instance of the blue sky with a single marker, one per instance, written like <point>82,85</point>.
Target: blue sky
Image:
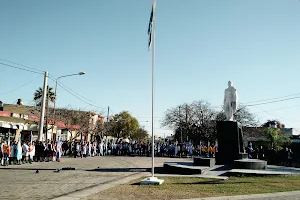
<point>200,45</point>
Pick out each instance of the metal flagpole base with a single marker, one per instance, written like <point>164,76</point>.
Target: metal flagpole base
<point>151,181</point>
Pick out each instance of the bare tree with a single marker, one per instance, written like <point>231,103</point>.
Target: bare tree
<point>193,121</point>
<point>75,119</point>
<point>100,129</point>
<point>242,115</point>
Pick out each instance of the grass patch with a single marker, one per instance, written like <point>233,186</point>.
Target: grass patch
<point>180,188</point>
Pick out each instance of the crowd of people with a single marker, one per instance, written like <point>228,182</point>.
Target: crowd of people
<point>273,156</point>
<point>162,149</point>
<point>18,152</point>
<point>21,152</point>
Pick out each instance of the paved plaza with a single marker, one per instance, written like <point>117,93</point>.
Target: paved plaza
<point>22,181</point>
<point>91,175</point>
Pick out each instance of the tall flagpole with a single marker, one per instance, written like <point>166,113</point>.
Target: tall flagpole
<point>151,30</point>
<point>153,67</point>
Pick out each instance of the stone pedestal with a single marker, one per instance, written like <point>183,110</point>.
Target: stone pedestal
<point>250,164</point>
<point>202,161</point>
<point>230,142</point>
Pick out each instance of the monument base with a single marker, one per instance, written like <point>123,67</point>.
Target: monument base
<point>243,156</point>
<point>250,164</point>
<point>151,181</point>
<point>230,142</point>
<point>203,161</point>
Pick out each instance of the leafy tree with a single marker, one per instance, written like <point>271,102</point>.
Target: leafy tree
<point>140,134</point>
<point>38,94</point>
<point>276,138</point>
<point>272,123</point>
<point>123,125</point>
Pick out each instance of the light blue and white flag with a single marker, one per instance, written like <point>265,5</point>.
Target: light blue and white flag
<point>150,26</point>
<point>31,147</point>
<point>106,145</point>
<point>19,148</point>
<point>58,148</point>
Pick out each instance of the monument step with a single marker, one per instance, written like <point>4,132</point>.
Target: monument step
<point>185,168</point>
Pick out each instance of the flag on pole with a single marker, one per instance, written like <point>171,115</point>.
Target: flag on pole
<point>8,140</point>
<point>8,147</point>
<point>19,149</point>
<point>151,21</point>
<point>31,149</point>
<point>58,148</point>
<point>106,145</point>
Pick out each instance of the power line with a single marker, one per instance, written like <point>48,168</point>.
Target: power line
<point>272,98</point>
<point>82,96</point>
<point>78,97</point>
<point>21,65</point>
<point>269,100</point>
<point>276,115</point>
<point>20,68</point>
<point>111,111</point>
<point>20,86</point>
<point>91,102</point>
<point>74,95</point>
<point>166,129</point>
<point>273,101</point>
<point>284,108</point>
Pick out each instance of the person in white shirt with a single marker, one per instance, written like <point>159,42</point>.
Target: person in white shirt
<point>95,149</point>
<point>83,150</point>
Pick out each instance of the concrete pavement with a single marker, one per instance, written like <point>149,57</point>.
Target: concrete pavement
<point>90,175</point>
<point>294,195</point>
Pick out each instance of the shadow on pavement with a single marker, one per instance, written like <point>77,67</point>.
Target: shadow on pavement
<point>156,170</point>
<point>223,168</point>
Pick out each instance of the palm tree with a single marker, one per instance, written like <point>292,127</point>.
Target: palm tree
<point>38,94</point>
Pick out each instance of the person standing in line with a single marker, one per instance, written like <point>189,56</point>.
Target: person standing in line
<point>24,152</point>
<point>84,150</point>
<point>58,150</point>
<point>289,157</point>
<point>1,153</point>
<point>6,153</point>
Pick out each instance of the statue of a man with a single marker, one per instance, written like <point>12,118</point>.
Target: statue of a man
<point>230,101</point>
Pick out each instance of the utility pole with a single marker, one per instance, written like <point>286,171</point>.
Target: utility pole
<point>180,125</point>
<point>107,118</point>
<point>41,127</point>
<point>47,112</point>
<point>186,121</point>
<point>107,114</point>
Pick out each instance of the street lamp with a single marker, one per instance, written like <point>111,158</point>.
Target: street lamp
<point>56,82</point>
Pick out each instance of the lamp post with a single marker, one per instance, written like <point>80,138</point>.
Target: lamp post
<point>56,82</point>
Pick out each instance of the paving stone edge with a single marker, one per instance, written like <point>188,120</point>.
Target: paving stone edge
<point>251,196</point>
